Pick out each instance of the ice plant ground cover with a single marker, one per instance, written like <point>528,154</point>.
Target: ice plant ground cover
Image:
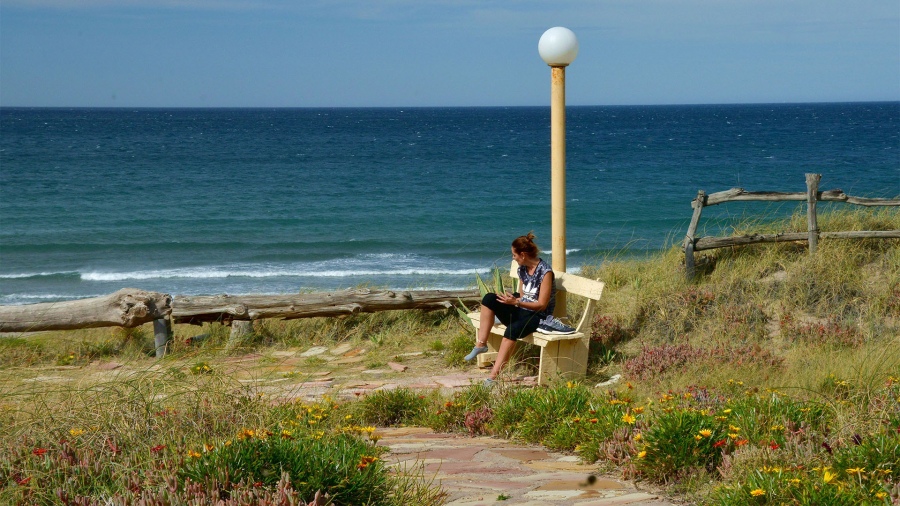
<point>772,378</point>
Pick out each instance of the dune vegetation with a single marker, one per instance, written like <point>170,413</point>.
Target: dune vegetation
<point>773,377</point>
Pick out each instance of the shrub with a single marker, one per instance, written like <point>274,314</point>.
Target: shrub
<point>467,410</point>
<point>827,332</point>
<point>345,467</point>
<point>780,485</point>
<point>392,407</point>
<point>654,360</point>
<point>543,407</point>
<point>678,442</point>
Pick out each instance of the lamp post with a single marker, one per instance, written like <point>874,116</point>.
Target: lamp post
<point>558,47</point>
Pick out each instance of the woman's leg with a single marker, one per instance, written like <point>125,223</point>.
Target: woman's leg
<point>503,354</point>
<point>484,326</point>
<point>488,312</point>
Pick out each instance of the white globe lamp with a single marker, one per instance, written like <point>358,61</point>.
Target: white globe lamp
<point>558,46</point>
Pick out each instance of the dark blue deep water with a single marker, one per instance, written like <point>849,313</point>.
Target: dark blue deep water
<point>204,201</point>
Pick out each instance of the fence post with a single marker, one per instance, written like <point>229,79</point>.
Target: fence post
<point>697,204</point>
<point>239,330</point>
<point>162,329</point>
<point>812,196</point>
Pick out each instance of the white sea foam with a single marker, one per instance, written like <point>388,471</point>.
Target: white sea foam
<point>262,272</point>
<point>25,275</point>
<point>18,299</point>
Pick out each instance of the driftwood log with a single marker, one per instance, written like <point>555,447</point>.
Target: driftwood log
<point>128,307</point>
<point>206,308</point>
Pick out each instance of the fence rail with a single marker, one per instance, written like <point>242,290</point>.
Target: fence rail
<point>692,243</point>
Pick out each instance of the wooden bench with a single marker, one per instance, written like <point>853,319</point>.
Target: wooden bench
<point>561,355</point>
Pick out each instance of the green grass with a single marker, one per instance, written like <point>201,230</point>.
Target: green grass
<point>773,377</point>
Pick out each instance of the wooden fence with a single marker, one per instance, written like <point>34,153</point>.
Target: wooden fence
<point>130,307</point>
<point>693,244</point>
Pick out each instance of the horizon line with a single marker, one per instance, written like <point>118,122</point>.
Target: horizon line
<point>258,107</point>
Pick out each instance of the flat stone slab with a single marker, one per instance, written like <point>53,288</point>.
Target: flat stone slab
<point>468,468</point>
<point>404,431</point>
<point>348,360</point>
<point>552,466</point>
<point>522,454</point>
<point>341,349</point>
<point>108,366</point>
<point>397,367</point>
<point>633,499</point>
<point>315,350</point>
<point>465,453</point>
<point>454,381</point>
<point>45,378</point>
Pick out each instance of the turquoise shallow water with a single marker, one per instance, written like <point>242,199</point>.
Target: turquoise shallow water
<point>194,201</point>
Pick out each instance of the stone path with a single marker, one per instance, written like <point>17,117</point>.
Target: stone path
<point>471,470</point>
<point>485,471</point>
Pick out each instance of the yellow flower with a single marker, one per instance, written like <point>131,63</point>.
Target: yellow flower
<point>698,437</point>
<point>880,495</point>
<point>208,447</point>
<point>828,477</point>
<point>705,432</point>
<point>193,454</point>
<point>734,429</point>
<point>642,454</point>
<point>638,436</point>
<point>732,435</point>
<point>856,470</point>
<point>76,432</point>
<point>757,492</point>
<point>627,418</point>
<point>348,417</point>
<point>726,411</point>
<point>569,384</point>
<point>794,481</point>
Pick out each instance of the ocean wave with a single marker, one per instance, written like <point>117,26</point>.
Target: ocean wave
<point>218,273</point>
<point>36,275</point>
<point>18,299</point>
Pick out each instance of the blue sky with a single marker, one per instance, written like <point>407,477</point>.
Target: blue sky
<point>311,53</point>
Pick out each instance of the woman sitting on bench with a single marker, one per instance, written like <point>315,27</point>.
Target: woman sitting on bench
<point>524,313</point>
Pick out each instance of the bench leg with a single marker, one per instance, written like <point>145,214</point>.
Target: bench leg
<point>573,358</point>
<point>567,359</point>
<point>549,362</point>
<point>486,359</point>
<point>494,341</point>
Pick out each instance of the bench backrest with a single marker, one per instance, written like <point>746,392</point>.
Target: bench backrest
<point>570,283</point>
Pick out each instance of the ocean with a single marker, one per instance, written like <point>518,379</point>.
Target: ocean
<point>211,201</point>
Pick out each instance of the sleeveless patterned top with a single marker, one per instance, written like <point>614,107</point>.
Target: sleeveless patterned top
<point>531,285</point>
